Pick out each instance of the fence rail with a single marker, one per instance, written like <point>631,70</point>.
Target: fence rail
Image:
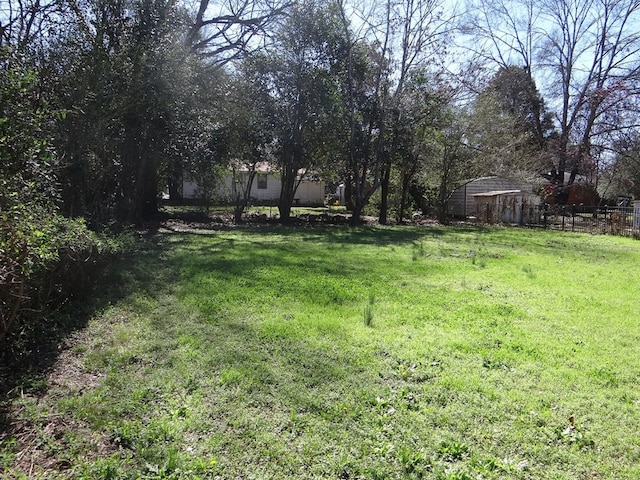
<point>589,219</point>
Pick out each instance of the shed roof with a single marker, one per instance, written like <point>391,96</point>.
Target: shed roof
<point>495,193</point>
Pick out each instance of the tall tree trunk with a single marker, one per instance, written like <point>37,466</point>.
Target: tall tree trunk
<point>348,192</point>
<point>146,195</point>
<point>287,192</point>
<point>243,197</point>
<point>443,189</point>
<point>356,216</point>
<point>404,187</point>
<point>384,192</point>
<point>129,173</point>
<point>285,212</point>
<point>175,181</point>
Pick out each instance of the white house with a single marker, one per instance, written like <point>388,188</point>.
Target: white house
<point>265,189</point>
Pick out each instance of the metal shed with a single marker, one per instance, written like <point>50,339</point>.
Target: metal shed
<point>507,206</point>
<point>462,203</point>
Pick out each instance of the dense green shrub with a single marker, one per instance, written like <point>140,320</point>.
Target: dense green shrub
<point>44,256</point>
<point>43,261</point>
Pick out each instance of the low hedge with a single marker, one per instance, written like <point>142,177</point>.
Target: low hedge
<point>44,260</point>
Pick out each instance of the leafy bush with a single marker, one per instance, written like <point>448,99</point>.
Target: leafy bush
<point>44,256</point>
<point>43,260</point>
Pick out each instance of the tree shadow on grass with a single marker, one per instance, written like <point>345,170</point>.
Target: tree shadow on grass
<point>152,271</point>
<point>28,355</point>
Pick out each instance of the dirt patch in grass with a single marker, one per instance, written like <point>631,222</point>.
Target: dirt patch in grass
<point>34,451</point>
<point>38,438</point>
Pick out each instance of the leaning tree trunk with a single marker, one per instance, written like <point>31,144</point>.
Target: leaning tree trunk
<point>242,198</point>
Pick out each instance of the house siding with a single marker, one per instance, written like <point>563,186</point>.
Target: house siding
<point>270,194</point>
<point>309,193</point>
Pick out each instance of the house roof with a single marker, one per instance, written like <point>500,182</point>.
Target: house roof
<point>266,167</point>
<point>502,181</point>
<point>261,167</point>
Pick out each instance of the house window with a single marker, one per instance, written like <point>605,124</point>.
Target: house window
<point>262,181</point>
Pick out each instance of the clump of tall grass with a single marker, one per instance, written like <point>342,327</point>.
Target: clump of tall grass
<point>368,311</point>
<point>417,251</point>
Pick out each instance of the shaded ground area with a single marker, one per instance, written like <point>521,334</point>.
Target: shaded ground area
<point>41,385</point>
<point>44,363</point>
<point>47,363</point>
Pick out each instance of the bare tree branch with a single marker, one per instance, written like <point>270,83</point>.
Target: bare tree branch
<point>224,31</point>
<point>585,53</point>
<point>23,23</point>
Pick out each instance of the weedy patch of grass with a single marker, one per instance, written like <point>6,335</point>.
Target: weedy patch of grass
<point>495,353</point>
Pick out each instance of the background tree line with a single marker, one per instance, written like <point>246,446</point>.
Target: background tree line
<point>107,103</point>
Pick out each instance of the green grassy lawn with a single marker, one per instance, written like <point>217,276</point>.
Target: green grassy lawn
<point>368,353</point>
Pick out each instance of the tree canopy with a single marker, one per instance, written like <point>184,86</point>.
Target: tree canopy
<point>147,93</point>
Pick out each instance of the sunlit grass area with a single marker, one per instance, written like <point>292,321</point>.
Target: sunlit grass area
<point>372,353</point>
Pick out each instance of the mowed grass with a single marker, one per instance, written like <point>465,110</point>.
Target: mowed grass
<point>366,353</point>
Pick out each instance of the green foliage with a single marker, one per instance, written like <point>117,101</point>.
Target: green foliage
<point>453,451</point>
<point>27,186</point>
<point>139,110</point>
<point>43,255</point>
<point>299,94</point>
<point>45,259</point>
<point>27,172</point>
